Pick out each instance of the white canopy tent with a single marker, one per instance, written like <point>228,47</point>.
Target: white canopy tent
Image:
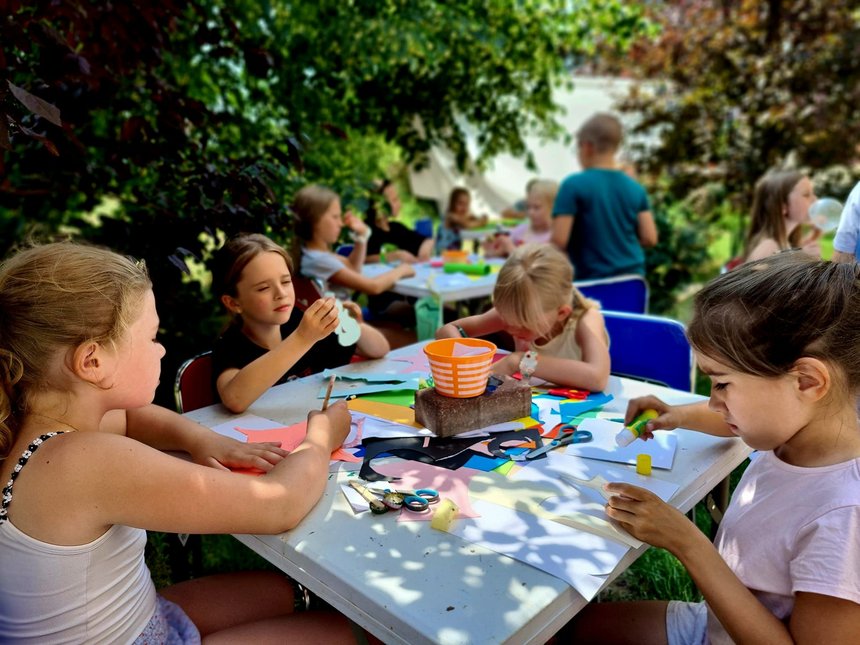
<point>503,183</point>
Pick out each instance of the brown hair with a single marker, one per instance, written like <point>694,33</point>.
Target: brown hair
<point>309,205</point>
<point>535,279</point>
<point>232,258</point>
<point>55,297</point>
<point>768,219</point>
<point>603,131</point>
<point>762,317</point>
<point>456,193</point>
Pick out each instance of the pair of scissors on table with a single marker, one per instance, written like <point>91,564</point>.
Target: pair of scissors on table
<point>394,499</point>
<point>567,434</point>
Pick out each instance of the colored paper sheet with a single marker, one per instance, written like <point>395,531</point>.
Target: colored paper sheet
<point>661,448</point>
<point>577,557</point>
<point>375,427</point>
<point>344,388</point>
<point>569,409</point>
<point>386,376</point>
<point>406,398</point>
<point>415,363</point>
<point>396,413</point>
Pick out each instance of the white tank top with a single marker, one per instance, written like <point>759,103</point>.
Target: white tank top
<point>100,592</point>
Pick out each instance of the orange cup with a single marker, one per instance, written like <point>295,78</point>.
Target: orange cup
<point>455,256</point>
<point>460,377</point>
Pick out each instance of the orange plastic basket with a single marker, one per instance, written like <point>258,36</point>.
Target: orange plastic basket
<point>461,377</point>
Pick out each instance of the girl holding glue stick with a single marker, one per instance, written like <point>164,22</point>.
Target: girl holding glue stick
<point>778,339</point>
<point>559,335</point>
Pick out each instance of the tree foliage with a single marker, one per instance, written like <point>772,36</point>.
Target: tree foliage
<point>152,126</point>
<point>737,87</point>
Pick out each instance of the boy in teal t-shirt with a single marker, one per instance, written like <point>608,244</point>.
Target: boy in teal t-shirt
<point>601,216</point>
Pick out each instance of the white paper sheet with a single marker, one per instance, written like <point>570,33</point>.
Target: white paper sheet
<point>579,558</point>
<point>602,446</point>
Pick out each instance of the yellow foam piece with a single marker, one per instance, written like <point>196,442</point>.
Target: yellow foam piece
<point>444,515</point>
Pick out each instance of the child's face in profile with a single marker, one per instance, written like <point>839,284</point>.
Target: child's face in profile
<point>264,293</point>
<point>754,407</point>
<point>539,211</point>
<point>138,357</point>
<point>800,199</point>
<point>330,223</point>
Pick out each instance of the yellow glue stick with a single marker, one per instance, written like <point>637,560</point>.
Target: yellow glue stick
<point>632,432</point>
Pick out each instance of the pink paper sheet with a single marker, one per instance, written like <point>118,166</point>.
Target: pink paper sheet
<point>451,484</point>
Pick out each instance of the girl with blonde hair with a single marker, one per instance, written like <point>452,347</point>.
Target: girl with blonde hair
<point>81,448</point>
<point>534,301</point>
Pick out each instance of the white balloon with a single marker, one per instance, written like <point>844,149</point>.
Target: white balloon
<point>825,213</point>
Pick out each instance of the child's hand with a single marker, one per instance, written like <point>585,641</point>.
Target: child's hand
<point>319,320</point>
<point>668,419</point>
<point>507,366</point>
<point>406,270</point>
<point>354,310</point>
<point>400,256</point>
<point>811,243</point>
<point>330,426</point>
<point>648,518</point>
<point>355,223</point>
<point>223,453</point>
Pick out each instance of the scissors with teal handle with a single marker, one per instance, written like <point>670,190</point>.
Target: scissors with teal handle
<point>567,434</point>
<point>414,500</point>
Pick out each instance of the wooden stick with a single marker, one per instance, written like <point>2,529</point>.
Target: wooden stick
<point>328,391</point>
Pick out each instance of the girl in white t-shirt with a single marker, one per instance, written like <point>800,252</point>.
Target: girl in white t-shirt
<point>779,340</point>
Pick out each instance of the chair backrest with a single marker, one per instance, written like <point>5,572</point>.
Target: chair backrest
<point>620,293</point>
<point>307,291</point>
<point>194,387</point>
<point>650,348</point>
<point>344,249</point>
<point>424,226</point>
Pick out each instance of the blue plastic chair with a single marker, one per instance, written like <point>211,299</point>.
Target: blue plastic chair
<point>650,348</point>
<point>424,226</point>
<point>344,249</point>
<point>619,293</point>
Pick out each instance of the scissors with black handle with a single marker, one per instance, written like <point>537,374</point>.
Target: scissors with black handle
<point>567,434</point>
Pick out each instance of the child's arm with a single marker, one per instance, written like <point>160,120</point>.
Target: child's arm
<point>372,342</point>
<point>355,280</point>
<point>815,618</point>
<point>472,326</point>
<point>763,249</point>
<point>562,226</point>
<point>646,230</point>
<point>590,373</point>
<point>166,430</point>
<point>239,388</point>
<point>694,416</point>
<point>358,256</point>
<point>151,490</point>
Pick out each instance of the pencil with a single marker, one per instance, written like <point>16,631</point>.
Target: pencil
<point>328,391</point>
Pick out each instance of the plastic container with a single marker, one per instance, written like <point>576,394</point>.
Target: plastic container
<point>468,269</point>
<point>426,317</point>
<point>460,377</point>
<point>455,256</point>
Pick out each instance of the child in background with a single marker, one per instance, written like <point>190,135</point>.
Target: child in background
<point>780,205</point>
<point>778,338</point>
<point>410,246</point>
<point>536,303</point>
<point>601,216</point>
<point>318,226</point>
<point>80,441</point>
<point>537,229</point>
<point>457,217</point>
<point>269,340</point>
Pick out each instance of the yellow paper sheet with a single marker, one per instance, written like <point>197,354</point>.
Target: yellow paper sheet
<point>397,413</point>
